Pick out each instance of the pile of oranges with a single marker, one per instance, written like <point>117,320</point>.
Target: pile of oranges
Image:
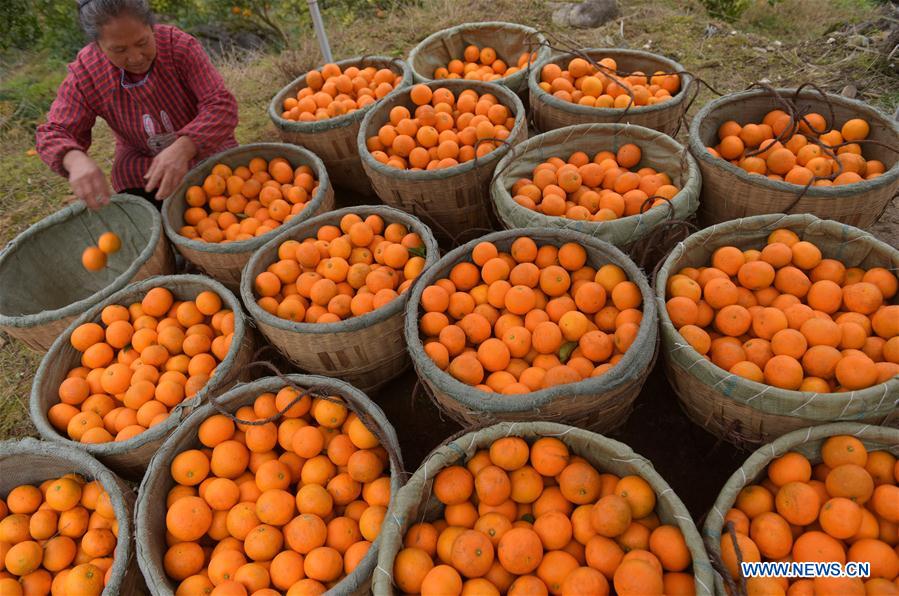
<point>843,509</point>
<point>529,319</point>
<point>341,272</point>
<point>60,536</point>
<point>481,64</point>
<point>788,317</point>
<point>292,506</point>
<point>603,188</point>
<point>94,257</point>
<point>532,520</point>
<point>444,131</point>
<point>811,154</point>
<point>139,362</point>
<point>247,201</point>
<point>333,92</point>
<point>585,84</point>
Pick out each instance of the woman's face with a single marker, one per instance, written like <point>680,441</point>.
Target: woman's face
<point>128,43</point>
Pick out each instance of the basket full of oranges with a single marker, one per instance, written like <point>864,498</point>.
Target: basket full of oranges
<point>322,109</point>
<point>67,522</point>
<point>773,323</point>
<point>431,151</point>
<point>615,182</point>
<point>822,495</point>
<point>233,202</point>
<point>492,51</point>
<point>330,293</point>
<point>533,324</point>
<point>299,473</point>
<point>125,373</point>
<point>608,85</point>
<point>795,151</point>
<point>539,508</point>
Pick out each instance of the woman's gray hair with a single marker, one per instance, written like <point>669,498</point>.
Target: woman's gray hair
<point>93,14</point>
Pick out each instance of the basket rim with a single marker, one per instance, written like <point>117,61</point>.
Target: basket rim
<point>124,549</point>
<point>473,398</point>
<point>538,94</point>
<point>72,211</point>
<point>341,121</point>
<point>500,193</point>
<point>242,246</point>
<point>797,398</point>
<point>308,229</point>
<point>697,148</point>
<point>543,51</point>
<point>39,415</point>
<point>488,161</point>
<point>191,422</point>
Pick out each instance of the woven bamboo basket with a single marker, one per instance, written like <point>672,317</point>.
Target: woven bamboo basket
<point>58,288</point>
<point>806,441</point>
<point>728,192</point>
<point>129,458</point>
<point>510,40</point>
<point>744,412</point>
<point>415,501</point>
<point>150,511</point>
<point>366,351</point>
<point>334,140</point>
<point>450,201</point>
<point>600,404</point>
<point>659,151</point>
<point>550,112</point>
<point>224,261</point>
<point>29,461</point>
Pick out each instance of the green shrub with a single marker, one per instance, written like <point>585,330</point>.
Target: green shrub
<point>729,10</point>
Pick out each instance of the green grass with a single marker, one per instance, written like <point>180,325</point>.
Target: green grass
<point>729,62</point>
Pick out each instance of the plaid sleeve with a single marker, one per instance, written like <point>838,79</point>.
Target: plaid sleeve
<point>68,125</point>
<point>213,127</point>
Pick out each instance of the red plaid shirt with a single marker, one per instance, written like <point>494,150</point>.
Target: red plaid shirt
<point>184,94</point>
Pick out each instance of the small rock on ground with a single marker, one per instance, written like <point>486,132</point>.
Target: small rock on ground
<point>585,15</point>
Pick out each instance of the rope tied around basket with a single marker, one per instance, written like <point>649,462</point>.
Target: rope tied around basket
<point>313,392</point>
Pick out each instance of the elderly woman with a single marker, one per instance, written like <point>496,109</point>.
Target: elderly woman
<point>155,87</point>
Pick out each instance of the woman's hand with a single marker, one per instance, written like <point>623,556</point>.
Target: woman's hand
<point>169,167</point>
<point>87,179</point>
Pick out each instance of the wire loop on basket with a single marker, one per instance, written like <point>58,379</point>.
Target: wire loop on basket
<point>797,118</point>
<point>733,588</point>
